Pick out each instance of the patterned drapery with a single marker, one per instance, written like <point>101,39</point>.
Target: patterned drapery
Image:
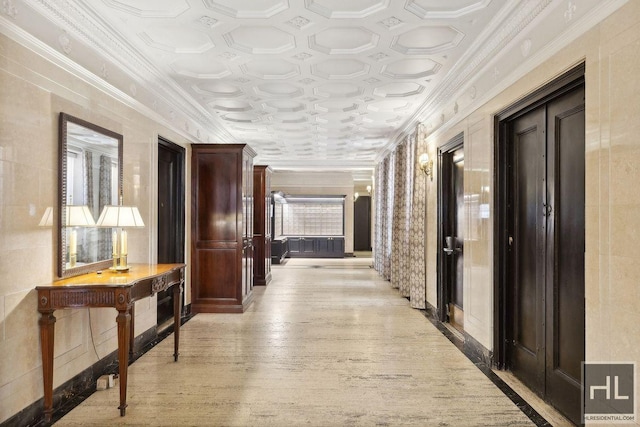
<point>417,233</point>
<point>400,214</point>
<point>379,212</point>
<point>104,198</point>
<point>84,248</point>
<point>401,217</point>
<point>384,212</point>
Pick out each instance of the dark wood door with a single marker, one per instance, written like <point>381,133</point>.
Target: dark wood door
<point>362,224</point>
<point>565,317</point>
<point>263,207</point>
<point>547,249</point>
<point>527,241</point>
<point>170,216</point>
<point>452,229</point>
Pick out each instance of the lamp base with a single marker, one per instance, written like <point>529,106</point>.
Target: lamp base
<point>120,268</point>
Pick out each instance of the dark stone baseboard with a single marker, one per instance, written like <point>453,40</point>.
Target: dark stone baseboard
<point>483,359</point>
<point>74,391</point>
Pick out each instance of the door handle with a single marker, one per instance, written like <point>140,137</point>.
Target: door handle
<point>450,245</point>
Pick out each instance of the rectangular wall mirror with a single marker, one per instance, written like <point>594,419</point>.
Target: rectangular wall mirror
<point>90,177</point>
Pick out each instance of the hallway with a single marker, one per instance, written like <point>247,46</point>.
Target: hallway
<point>326,343</point>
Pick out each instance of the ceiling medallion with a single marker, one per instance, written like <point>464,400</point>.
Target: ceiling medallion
<point>65,42</point>
<point>9,8</point>
<point>208,21</point>
<point>391,22</point>
<point>299,22</point>
<point>571,10</point>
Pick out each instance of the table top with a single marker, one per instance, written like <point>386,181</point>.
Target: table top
<point>110,278</point>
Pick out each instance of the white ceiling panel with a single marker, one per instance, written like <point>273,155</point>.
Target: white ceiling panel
<point>317,83</point>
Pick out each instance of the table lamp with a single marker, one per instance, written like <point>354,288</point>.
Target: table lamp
<point>120,217</point>
<point>76,216</point>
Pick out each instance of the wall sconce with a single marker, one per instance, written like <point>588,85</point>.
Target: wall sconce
<point>355,196</point>
<point>369,189</point>
<point>426,165</point>
<point>120,217</point>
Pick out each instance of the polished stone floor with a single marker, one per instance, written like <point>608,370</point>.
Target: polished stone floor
<point>326,343</point>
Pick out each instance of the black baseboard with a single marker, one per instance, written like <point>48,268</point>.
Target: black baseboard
<point>483,359</point>
<point>74,391</point>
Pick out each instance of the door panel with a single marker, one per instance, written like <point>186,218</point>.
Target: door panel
<point>459,226</point>
<point>451,231</point>
<point>170,217</point>
<point>527,357</point>
<point>566,326</point>
<point>362,224</point>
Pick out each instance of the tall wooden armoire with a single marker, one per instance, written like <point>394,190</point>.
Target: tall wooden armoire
<point>262,225</point>
<point>221,227</point>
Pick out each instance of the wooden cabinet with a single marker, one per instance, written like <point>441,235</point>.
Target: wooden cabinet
<point>262,212</point>
<point>221,227</point>
<point>316,247</point>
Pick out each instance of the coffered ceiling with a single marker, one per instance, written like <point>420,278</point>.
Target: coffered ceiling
<point>309,84</point>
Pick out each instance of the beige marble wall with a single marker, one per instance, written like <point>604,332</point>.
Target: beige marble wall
<point>32,94</point>
<point>611,51</point>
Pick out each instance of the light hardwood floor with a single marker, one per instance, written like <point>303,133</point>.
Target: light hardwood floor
<point>326,343</point>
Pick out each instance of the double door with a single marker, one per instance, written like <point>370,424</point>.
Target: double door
<point>546,242</point>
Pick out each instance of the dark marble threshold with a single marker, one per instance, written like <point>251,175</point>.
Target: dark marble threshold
<point>481,357</point>
<point>74,391</point>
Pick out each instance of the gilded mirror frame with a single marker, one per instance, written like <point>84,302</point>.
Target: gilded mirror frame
<point>65,270</point>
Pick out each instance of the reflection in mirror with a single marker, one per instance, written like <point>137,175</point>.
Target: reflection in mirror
<point>90,178</point>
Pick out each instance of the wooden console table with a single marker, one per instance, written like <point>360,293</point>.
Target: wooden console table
<point>108,289</point>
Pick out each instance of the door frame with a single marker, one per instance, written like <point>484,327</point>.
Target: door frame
<point>443,288</point>
<point>502,316</point>
<point>180,193</point>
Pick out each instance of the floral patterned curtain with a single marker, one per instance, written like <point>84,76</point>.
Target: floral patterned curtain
<point>400,214</point>
<point>379,210</point>
<point>417,233</point>
<point>84,253</point>
<point>384,210</point>
<point>401,218</point>
<point>405,259</point>
<point>104,198</point>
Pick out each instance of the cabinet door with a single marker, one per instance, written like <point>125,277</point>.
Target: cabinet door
<point>294,245</point>
<point>336,246</point>
<point>322,246</point>
<point>308,245</point>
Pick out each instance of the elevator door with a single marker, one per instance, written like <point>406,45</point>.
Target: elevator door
<point>546,246</point>
<point>453,231</point>
<point>170,216</point>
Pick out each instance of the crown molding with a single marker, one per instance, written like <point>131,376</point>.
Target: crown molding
<point>593,18</point>
<point>457,85</point>
<point>94,33</point>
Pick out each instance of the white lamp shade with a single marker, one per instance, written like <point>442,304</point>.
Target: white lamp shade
<point>423,159</point>
<point>120,216</point>
<point>78,216</point>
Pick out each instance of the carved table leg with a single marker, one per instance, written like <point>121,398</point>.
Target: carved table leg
<point>132,334</point>
<point>124,332</point>
<point>47,324</point>
<point>177,306</point>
